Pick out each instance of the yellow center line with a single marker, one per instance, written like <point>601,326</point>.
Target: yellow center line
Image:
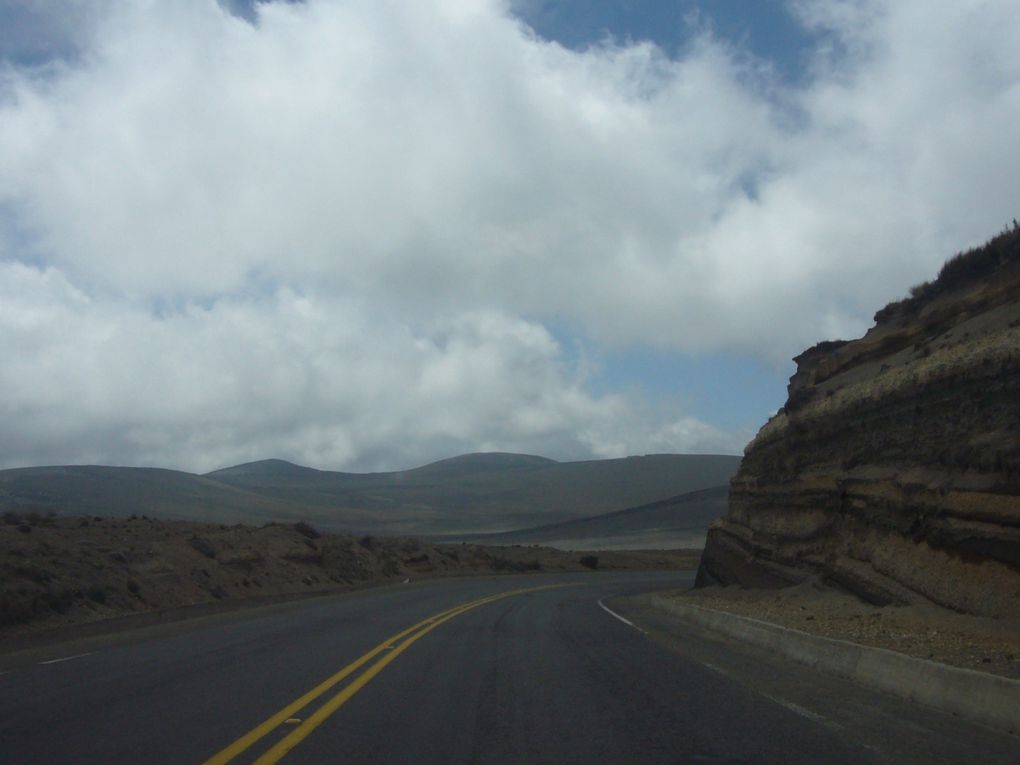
<point>305,728</point>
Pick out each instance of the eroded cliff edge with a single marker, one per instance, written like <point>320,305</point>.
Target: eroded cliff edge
<point>893,470</point>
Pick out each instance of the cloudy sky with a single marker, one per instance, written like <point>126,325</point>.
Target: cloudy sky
<point>362,234</point>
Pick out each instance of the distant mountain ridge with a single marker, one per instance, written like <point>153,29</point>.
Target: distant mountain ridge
<point>473,493</point>
<point>263,467</point>
<point>681,521</point>
<point>489,492</point>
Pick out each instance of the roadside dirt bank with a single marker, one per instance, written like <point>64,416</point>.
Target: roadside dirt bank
<point>58,572</point>
<point>927,632</point>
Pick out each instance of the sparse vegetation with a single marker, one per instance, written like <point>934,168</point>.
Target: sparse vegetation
<point>306,530</point>
<point>58,601</point>
<point>960,270</point>
<point>203,546</point>
<point>68,572</point>
<point>29,519</point>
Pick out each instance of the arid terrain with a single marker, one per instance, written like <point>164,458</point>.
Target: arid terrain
<point>924,631</point>
<point>60,571</point>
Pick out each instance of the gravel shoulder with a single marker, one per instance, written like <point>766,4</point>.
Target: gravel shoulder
<point>926,632</point>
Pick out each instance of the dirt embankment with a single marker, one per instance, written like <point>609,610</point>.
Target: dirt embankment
<point>60,571</point>
<point>923,631</point>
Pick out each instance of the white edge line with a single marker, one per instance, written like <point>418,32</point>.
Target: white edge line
<point>613,613</point>
<point>66,658</point>
<point>796,708</point>
<point>716,668</point>
<point>806,713</point>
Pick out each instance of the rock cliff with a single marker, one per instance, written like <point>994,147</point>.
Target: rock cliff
<point>893,470</point>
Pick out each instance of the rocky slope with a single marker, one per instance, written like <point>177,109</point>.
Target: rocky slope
<point>893,470</point>
<point>61,571</point>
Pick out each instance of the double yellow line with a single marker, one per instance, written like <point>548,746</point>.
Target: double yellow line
<point>392,647</point>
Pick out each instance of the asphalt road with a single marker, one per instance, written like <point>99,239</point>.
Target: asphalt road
<point>541,676</point>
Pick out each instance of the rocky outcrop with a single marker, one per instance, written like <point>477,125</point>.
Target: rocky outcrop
<point>893,470</point>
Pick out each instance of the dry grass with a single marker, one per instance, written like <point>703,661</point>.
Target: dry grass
<point>62,571</point>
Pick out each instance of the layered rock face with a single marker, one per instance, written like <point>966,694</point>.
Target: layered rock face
<point>893,470</point>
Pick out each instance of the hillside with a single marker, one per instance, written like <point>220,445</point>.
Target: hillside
<point>893,470</point>
<point>468,494</point>
<point>118,491</point>
<point>677,522</point>
<point>56,572</point>
<point>489,492</point>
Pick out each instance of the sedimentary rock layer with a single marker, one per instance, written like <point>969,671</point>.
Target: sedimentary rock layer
<point>893,470</point>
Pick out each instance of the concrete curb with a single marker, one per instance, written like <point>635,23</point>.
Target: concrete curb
<point>976,696</point>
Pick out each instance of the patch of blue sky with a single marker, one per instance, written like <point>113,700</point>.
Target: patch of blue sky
<point>765,28</point>
<point>30,39</point>
<point>17,241</point>
<point>31,36</point>
<point>730,391</point>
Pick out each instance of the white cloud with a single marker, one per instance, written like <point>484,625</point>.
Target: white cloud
<point>319,382</point>
<point>225,240</point>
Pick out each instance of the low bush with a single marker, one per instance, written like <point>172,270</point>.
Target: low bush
<point>58,600</point>
<point>203,546</point>
<point>960,270</point>
<point>307,530</point>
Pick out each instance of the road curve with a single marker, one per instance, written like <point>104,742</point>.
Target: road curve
<point>524,669</point>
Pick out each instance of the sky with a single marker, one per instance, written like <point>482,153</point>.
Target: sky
<point>364,235</point>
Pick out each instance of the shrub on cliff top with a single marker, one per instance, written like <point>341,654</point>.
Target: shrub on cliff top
<point>960,270</point>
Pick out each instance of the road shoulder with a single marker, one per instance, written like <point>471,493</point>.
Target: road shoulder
<point>980,697</point>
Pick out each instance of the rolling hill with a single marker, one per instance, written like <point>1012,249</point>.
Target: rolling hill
<point>490,492</point>
<point>676,522</point>
<point>123,491</point>
<point>474,493</point>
